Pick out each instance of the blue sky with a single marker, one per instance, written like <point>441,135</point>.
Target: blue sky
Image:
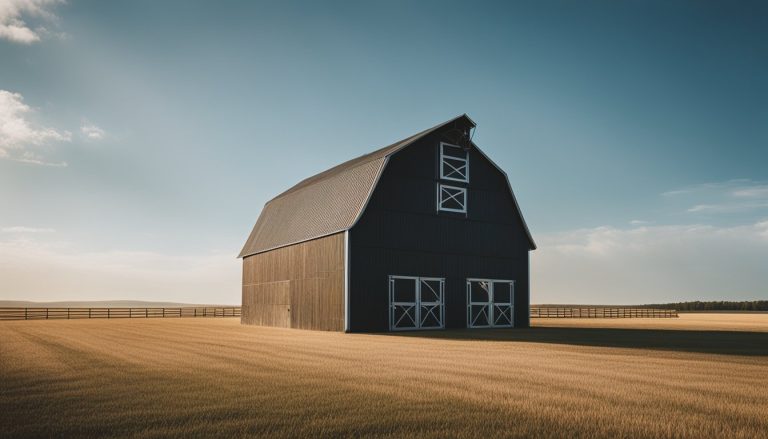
<point>139,140</point>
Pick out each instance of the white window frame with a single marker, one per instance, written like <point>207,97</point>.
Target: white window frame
<point>491,304</point>
<point>465,160</point>
<point>463,190</point>
<point>417,304</point>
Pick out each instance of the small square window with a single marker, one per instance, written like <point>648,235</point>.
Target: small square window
<point>451,199</point>
<point>454,163</point>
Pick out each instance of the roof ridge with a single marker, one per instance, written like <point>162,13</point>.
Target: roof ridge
<point>374,155</point>
<point>293,189</point>
<point>344,192</point>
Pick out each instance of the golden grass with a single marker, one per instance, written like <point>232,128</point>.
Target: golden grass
<point>213,377</point>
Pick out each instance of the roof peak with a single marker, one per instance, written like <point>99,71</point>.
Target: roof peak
<point>331,201</point>
<point>365,158</point>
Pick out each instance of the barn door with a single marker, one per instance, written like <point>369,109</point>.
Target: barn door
<point>503,295</point>
<point>416,303</point>
<point>490,303</point>
<point>431,302</point>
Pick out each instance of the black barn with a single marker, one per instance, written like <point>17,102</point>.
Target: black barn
<point>422,234</point>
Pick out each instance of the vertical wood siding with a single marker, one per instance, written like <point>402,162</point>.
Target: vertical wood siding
<point>299,286</point>
<point>401,233</point>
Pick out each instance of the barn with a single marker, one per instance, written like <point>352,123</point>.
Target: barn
<point>425,233</point>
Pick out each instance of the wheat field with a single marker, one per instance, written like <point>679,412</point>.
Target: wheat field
<point>693,377</point>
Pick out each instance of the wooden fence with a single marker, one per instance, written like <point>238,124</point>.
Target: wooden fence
<point>601,312</point>
<point>234,311</point>
<point>114,313</point>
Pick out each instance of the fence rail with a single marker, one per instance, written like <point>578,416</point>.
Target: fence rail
<point>600,312</point>
<point>234,311</point>
<point>115,313</point>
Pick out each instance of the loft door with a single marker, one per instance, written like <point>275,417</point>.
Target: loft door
<point>416,303</point>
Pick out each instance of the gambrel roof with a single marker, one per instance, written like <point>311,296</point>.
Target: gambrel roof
<point>333,200</point>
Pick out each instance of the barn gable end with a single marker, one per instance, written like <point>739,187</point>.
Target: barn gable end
<point>403,234</point>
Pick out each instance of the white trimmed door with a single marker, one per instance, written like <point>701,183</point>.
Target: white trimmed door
<point>490,303</point>
<point>416,303</point>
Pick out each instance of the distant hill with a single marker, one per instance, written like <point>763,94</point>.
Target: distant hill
<point>100,304</point>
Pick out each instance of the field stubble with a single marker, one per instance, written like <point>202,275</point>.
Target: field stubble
<point>214,377</point>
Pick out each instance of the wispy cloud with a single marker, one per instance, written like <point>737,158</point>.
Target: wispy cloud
<point>732,196</point>
<point>13,14</point>
<point>719,253</point>
<point>91,131</point>
<point>727,207</point>
<point>18,132</point>
<point>36,159</point>
<point>710,186</point>
<point>760,191</point>
<point>651,264</point>
<point>25,229</point>
<point>763,228</point>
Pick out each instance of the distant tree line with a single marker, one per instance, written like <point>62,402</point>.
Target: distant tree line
<point>722,305</point>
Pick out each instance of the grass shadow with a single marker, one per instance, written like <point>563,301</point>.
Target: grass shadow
<point>708,342</point>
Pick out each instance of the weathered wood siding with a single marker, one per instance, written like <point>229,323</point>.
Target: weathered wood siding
<point>299,286</point>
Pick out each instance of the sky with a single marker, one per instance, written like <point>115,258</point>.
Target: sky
<point>139,140</point>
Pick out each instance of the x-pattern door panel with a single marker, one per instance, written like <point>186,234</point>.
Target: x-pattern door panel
<point>431,302</point>
<point>403,293</point>
<point>479,304</point>
<point>490,303</point>
<point>416,303</point>
<point>502,303</point>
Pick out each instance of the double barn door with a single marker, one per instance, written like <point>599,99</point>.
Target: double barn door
<point>416,303</point>
<point>489,303</point>
<point>419,303</point>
